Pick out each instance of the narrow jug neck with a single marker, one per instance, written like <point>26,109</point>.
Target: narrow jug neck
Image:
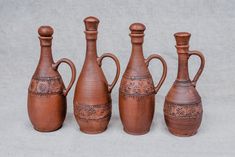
<point>137,41</point>
<point>137,50</point>
<point>91,51</point>
<point>46,58</point>
<point>183,74</point>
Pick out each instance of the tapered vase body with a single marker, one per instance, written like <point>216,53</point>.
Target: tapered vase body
<point>92,97</point>
<point>137,90</point>
<point>46,93</point>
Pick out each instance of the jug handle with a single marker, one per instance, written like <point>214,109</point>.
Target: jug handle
<point>99,60</point>
<point>164,72</point>
<point>199,72</point>
<point>73,70</point>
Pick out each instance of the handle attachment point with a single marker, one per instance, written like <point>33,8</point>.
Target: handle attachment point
<point>73,69</point>
<point>99,60</point>
<point>164,72</point>
<point>199,72</point>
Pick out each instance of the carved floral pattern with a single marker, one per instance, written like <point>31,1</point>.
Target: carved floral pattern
<point>183,111</point>
<point>46,85</point>
<point>93,112</point>
<point>137,86</point>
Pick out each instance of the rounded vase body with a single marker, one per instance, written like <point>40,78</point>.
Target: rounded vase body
<point>46,102</point>
<point>136,103</point>
<point>183,106</point>
<point>183,109</point>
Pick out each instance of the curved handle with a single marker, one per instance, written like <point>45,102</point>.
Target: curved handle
<point>199,72</point>
<point>99,60</point>
<point>73,70</point>
<point>164,72</point>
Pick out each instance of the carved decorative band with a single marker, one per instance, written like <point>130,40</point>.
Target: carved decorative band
<point>183,111</point>
<point>137,87</point>
<point>46,85</point>
<point>135,94</point>
<point>93,112</point>
<point>137,77</point>
<point>183,83</point>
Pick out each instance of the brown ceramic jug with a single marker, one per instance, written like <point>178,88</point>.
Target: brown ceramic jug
<point>183,107</point>
<point>47,93</point>
<point>137,90</point>
<point>92,97</point>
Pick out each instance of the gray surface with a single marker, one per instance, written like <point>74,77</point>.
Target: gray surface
<point>212,24</point>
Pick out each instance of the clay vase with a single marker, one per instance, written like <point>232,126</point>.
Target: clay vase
<point>137,90</point>
<point>92,97</point>
<point>46,92</point>
<point>183,106</point>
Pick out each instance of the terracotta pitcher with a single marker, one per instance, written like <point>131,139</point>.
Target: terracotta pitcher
<point>183,107</point>
<point>137,90</point>
<point>46,92</point>
<point>92,97</point>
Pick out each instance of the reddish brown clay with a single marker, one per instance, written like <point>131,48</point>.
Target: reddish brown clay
<point>183,107</point>
<point>92,98</point>
<point>47,93</point>
<point>137,91</point>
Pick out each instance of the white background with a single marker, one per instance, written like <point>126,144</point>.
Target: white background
<point>212,25</point>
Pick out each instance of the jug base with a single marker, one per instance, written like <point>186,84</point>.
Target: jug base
<point>93,132</point>
<point>183,134</point>
<point>47,130</point>
<point>135,133</point>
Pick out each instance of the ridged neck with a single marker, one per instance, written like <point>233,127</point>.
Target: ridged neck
<point>183,74</point>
